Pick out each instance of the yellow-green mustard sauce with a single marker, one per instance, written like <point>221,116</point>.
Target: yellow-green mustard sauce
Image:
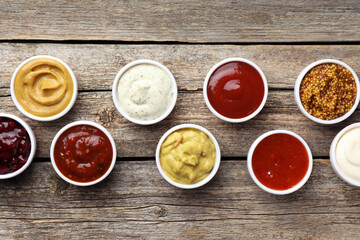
<point>187,156</point>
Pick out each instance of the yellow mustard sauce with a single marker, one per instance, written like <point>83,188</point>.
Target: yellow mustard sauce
<point>187,156</point>
<point>43,87</point>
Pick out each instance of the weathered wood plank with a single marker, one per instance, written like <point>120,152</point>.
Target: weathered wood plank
<point>134,201</point>
<point>190,21</point>
<point>96,66</point>
<point>132,140</point>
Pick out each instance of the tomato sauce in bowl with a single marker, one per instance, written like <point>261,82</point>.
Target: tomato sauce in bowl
<point>83,153</point>
<point>280,162</point>
<point>235,90</point>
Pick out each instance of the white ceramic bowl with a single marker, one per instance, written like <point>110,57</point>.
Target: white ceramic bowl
<point>76,124</point>
<point>216,66</point>
<point>279,192</point>
<point>297,92</point>
<point>115,94</point>
<point>211,174</point>
<point>32,150</point>
<point>29,115</point>
<point>334,164</point>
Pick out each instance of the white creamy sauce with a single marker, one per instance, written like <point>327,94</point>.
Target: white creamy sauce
<point>347,154</point>
<point>145,92</point>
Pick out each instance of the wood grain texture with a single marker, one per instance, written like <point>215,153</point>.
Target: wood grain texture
<point>187,20</point>
<point>280,112</point>
<point>95,65</point>
<point>134,201</point>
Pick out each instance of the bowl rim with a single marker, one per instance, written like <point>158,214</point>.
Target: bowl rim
<point>301,77</point>
<point>206,81</point>
<point>208,177</point>
<point>300,183</point>
<point>115,94</point>
<point>334,164</point>
<point>34,117</point>
<point>32,141</point>
<point>76,123</point>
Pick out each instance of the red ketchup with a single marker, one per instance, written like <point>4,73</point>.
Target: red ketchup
<point>15,145</point>
<point>235,89</point>
<point>83,153</point>
<point>280,161</point>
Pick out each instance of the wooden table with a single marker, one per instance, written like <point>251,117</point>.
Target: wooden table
<point>97,38</point>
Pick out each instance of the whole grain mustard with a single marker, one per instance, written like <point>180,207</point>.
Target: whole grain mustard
<point>187,156</point>
<point>328,91</point>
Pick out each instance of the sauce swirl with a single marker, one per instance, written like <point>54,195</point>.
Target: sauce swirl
<point>235,89</point>
<point>145,92</point>
<point>347,154</point>
<point>43,87</point>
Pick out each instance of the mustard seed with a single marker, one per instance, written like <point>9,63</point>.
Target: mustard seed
<point>328,91</point>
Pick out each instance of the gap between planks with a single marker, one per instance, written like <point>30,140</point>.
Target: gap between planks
<point>112,42</point>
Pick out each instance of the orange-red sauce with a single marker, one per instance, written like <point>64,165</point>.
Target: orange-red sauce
<point>280,161</point>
